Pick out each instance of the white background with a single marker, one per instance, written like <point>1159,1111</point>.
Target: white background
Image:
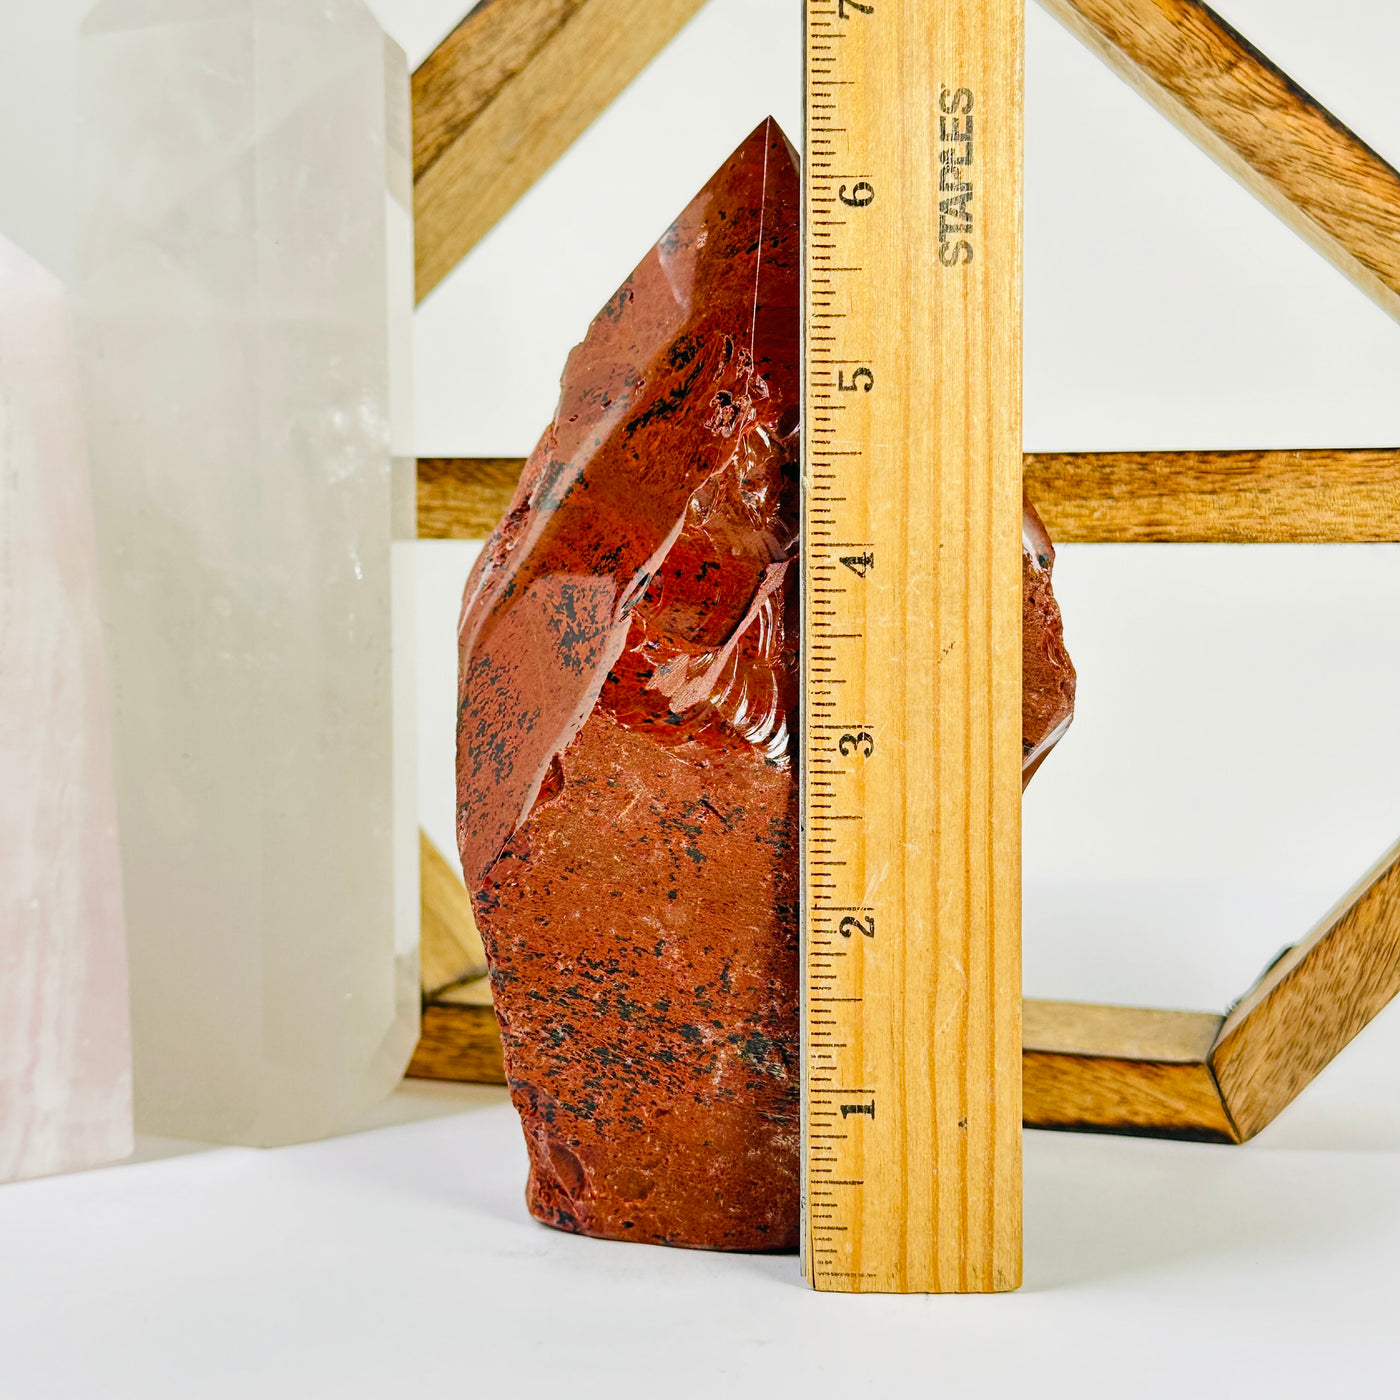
<point>1233,767</point>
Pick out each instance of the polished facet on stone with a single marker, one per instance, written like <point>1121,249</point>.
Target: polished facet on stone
<point>629,689</point>
<point>246,286</point>
<point>65,1048</point>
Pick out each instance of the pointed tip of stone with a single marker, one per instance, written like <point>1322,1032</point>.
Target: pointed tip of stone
<point>764,134</point>
<point>769,133</point>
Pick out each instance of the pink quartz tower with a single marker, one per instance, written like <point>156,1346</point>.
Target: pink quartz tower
<point>65,1053</point>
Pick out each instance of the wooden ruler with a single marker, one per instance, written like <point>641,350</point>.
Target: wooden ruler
<point>912,636</point>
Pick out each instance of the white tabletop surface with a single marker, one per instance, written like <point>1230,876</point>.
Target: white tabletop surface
<point>399,1260</point>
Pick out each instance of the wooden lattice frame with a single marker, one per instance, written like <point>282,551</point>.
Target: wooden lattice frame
<point>510,89</point>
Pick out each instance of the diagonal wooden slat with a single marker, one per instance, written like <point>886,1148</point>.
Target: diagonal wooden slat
<point>505,95</point>
<point>1314,173</point>
<point>1311,1003</point>
<point>450,951</point>
<point>1335,496</point>
<point>460,78</point>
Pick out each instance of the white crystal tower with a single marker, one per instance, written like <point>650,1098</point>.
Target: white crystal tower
<point>65,1047</point>
<point>246,273</point>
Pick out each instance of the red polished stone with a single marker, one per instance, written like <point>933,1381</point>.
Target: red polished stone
<point>1047,674</point>
<point>626,793</point>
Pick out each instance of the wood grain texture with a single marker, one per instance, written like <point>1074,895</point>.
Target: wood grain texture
<point>1312,1001</point>
<point>459,79</point>
<point>912,551</point>
<point>1316,497</point>
<point>1111,1069</point>
<point>1318,176</point>
<point>461,1039</point>
<point>1325,496</point>
<point>450,949</point>
<point>464,498</point>
<point>505,95</point>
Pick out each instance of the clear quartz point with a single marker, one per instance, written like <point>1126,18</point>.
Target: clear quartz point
<point>246,277</point>
<point>65,1045</point>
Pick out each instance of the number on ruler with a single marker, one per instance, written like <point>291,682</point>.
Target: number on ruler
<point>855,5</point>
<point>849,1108</point>
<point>862,193</point>
<point>859,563</point>
<point>865,924</point>
<point>861,378</point>
<point>861,743</point>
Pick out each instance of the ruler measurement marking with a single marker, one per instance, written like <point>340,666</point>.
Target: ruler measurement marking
<point>911,1224</point>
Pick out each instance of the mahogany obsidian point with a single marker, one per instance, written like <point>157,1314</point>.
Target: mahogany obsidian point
<point>627,800</point>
